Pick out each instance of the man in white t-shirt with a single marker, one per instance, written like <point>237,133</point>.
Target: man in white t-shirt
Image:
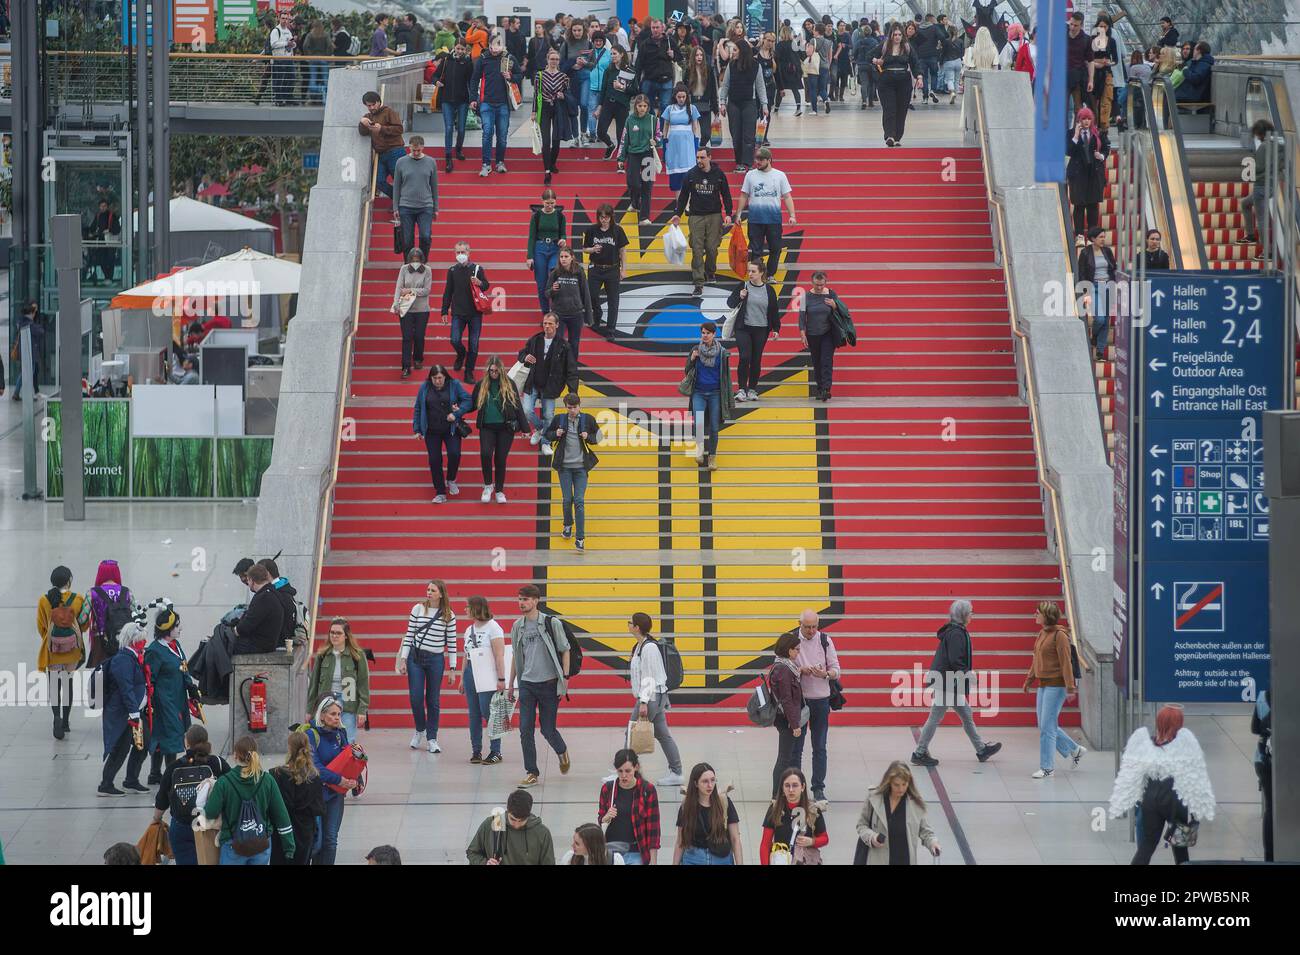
<point>762,193</point>
<point>281,43</point>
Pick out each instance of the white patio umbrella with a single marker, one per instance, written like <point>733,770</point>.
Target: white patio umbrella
<point>243,273</point>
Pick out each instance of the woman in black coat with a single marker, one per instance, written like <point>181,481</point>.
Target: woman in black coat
<point>789,72</point>
<point>304,798</point>
<point>1086,173</point>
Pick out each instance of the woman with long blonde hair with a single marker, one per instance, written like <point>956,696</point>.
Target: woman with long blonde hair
<point>428,649</point>
<point>248,782</point>
<point>340,669</point>
<point>304,800</point>
<point>500,417</point>
<point>893,821</point>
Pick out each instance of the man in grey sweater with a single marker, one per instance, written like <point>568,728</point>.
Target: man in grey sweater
<point>572,433</point>
<point>415,196</point>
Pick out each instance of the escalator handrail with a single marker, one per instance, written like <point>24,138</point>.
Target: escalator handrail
<point>1166,120</point>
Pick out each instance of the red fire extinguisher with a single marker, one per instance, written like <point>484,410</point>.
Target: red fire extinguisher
<point>255,702</point>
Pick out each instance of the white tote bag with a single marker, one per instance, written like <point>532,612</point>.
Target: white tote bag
<point>729,323</point>
<point>518,373</point>
<point>675,245</point>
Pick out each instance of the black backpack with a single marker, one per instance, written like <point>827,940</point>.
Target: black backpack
<point>672,662</point>
<point>249,836</point>
<point>575,648</point>
<point>117,613</point>
<point>185,789</point>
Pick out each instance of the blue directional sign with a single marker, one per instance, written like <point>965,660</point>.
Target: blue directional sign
<point>1201,643</point>
<point>1209,361</point>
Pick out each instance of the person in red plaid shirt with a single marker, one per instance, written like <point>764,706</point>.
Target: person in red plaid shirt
<point>629,809</point>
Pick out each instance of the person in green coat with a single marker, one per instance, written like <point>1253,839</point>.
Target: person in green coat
<point>171,703</point>
<point>512,837</point>
<point>445,38</point>
<point>247,780</point>
<point>340,670</point>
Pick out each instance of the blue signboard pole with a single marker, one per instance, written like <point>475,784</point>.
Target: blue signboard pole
<point>1211,360</point>
<point>1050,94</point>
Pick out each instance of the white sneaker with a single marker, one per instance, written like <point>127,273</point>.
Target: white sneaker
<point>672,779</point>
<point>440,499</point>
<point>501,498</point>
<point>1041,774</point>
<point>487,494</point>
<point>535,438</point>
<point>453,487</point>
<point>753,395</point>
<point>501,167</point>
<point>434,747</point>
<point>1078,755</point>
<point>417,739</point>
<point>547,448</point>
<point>485,171</point>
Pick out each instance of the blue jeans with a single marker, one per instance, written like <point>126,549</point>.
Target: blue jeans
<point>387,166</point>
<point>230,857</point>
<point>819,724</point>
<point>330,823</point>
<point>318,75</point>
<point>424,680</point>
<point>530,408</point>
<point>1050,735</point>
<point>659,94</point>
<point>479,705</point>
<point>951,75</point>
<point>453,121</point>
<point>591,104</point>
<point>535,698</point>
<point>1101,316</point>
<point>633,858</point>
<point>929,75</point>
<point>576,101</point>
<point>824,85</point>
<point>573,488</point>
<point>458,325</point>
<point>496,121</point>
<point>546,255</point>
<point>416,218</point>
<point>710,401</point>
<point>182,840</point>
<point>694,855</point>
<point>349,723</point>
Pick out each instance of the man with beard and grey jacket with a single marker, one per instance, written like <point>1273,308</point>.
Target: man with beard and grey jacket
<point>952,679</point>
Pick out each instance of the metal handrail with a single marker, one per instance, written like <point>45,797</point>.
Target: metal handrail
<point>1169,153</point>
<point>997,203</point>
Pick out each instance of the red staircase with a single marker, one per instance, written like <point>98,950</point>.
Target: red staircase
<point>914,486</point>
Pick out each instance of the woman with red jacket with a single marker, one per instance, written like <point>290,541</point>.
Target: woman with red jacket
<point>785,682</point>
<point>804,841</point>
<point>629,810</point>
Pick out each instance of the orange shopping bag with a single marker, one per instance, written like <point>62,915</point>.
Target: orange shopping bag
<point>738,251</point>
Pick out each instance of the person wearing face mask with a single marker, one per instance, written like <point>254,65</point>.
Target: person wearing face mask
<point>1086,174</point>
<point>606,244</point>
<point>551,369</point>
<point>458,307</point>
<point>414,283</point>
<point>415,197</point>
<point>454,70</point>
<point>439,406</point>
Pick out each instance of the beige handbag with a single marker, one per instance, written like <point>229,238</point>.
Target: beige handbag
<point>641,737</point>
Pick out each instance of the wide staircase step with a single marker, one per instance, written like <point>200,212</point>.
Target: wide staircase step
<point>915,485</point>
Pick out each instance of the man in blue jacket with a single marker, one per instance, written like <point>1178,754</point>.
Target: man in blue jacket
<point>488,86</point>
<point>1195,87</point>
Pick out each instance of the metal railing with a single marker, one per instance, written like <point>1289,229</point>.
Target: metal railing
<point>108,77</point>
<point>1173,181</point>
<point>1045,479</point>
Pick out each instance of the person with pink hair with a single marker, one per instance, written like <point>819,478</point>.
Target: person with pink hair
<point>111,607</point>
<point>1086,173</point>
<point>1164,775</point>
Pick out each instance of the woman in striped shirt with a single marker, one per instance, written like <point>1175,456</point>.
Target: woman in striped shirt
<point>551,85</point>
<point>428,647</point>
